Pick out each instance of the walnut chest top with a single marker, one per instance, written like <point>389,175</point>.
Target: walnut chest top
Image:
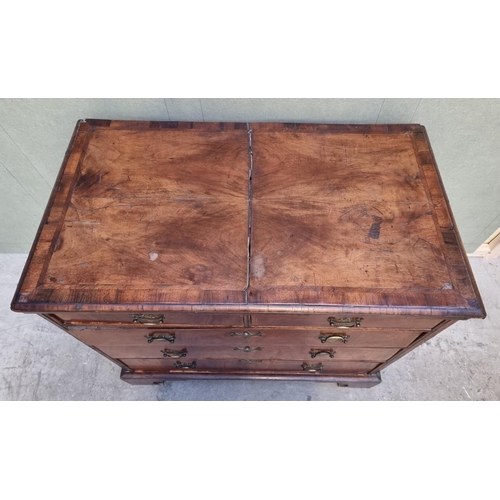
<point>256,218</point>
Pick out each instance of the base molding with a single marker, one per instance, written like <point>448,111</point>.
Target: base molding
<point>157,378</point>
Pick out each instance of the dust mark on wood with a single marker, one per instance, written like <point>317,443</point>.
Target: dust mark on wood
<point>258,266</point>
<point>152,256</point>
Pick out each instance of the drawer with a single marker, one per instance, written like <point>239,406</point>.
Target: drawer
<point>190,365</point>
<point>346,323</point>
<point>237,337</point>
<point>244,352</point>
<point>144,319</point>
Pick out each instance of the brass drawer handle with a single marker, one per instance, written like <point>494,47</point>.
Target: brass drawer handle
<point>167,353</point>
<point>186,366</point>
<point>247,348</point>
<point>317,352</point>
<point>335,336</point>
<point>345,322</point>
<point>312,368</point>
<point>250,361</point>
<point>148,319</point>
<point>245,334</point>
<point>169,337</point>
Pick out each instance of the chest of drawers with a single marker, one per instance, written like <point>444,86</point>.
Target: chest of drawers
<point>260,250</point>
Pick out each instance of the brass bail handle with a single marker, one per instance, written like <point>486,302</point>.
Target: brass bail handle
<point>186,366</point>
<point>148,319</point>
<point>168,353</point>
<point>345,322</point>
<point>312,368</point>
<point>169,337</point>
<point>317,352</point>
<point>327,338</point>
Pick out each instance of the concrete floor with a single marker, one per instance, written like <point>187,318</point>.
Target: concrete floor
<point>40,362</point>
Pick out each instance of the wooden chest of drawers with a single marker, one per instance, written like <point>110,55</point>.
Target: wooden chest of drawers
<point>289,251</point>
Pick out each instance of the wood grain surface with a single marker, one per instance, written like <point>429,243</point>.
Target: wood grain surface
<point>249,218</point>
<point>272,352</point>
<point>224,367</point>
<point>249,250</point>
<point>222,336</point>
<point>341,217</point>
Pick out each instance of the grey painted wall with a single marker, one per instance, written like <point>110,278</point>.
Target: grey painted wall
<point>465,134</point>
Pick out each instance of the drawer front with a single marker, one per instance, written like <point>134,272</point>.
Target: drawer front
<point>191,365</point>
<point>144,319</point>
<point>251,352</point>
<point>241,337</point>
<point>346,323</point>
